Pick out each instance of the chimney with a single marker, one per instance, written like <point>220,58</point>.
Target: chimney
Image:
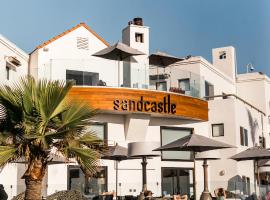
<point>138,21</point>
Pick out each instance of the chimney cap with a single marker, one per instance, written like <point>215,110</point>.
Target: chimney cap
<point>138,21</point>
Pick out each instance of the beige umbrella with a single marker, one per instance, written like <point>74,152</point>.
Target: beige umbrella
<point>197,143</point>
<point>119,52</point>
<point>117,153</point>
<point>254,153</point>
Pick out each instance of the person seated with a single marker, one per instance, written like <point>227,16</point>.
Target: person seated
<point>180,197</point>
<point>267,195</point>
<point>220,194</point>
<point>148,194</point>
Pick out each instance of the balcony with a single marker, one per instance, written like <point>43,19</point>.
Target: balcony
<point>176,80</point>
<point>102,72</point>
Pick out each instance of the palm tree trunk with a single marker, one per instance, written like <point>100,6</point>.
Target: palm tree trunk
<point>33,179</point>
<point>33,189</point>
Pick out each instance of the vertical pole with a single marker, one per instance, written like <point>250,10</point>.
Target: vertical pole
<point>205,194</point>
<point>119,71</point>
<point>194,176</point>
<point>116,178</point>
<point>255,187</point>
<point>205,174</point>
<point>144,178</point>
<point>259,182</point>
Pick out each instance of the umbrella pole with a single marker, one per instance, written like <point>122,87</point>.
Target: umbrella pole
<point>144,178</point>
<point>119,72</point>
<point>258,177</point>
<point>205,194</point>
<point>194,178</point>
<point>116,178</point>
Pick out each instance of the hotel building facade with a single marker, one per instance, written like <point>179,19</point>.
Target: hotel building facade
<point>146,103</point>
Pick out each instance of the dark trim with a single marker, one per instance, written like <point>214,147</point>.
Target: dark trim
<point>175,128</point>
<point>182,168</point>
<point>237,97</point>
<point>216,125</point>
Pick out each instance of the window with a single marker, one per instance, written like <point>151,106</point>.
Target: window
<point>262,141</point>
<point>177,180</point>
<point>170,134</point>
<point>82,43</point>
<point>222,55</point>
<point>217,130</point>
<point>161,86</point>
<point>95,185</point>
<point>209,91</point>
<point>184,84</point>
<point>99,129</point>
<point>7,73</point>
<point>82,78</point>
<point>246,185</point>
<point>139,37</point>
<point>243,136</point>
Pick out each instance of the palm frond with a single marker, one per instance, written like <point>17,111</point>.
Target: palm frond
<point>88,158</point>
<point>7,153</point>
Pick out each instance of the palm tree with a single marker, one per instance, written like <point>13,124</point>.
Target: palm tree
<point>38,116</point>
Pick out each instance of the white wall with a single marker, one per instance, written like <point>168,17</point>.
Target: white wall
<point>7,48</point>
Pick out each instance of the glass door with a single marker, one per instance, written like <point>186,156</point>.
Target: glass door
<point>177,181</point>
<point>94,185</point>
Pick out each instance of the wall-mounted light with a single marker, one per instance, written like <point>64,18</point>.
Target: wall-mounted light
<point>222,173</point>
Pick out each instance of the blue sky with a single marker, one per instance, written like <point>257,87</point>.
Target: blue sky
<point>178,27</point>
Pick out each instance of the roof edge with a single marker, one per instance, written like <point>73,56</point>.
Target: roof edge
<point>82,24</point>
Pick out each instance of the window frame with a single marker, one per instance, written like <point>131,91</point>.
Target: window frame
<point>218,124</point>
<point>105,129</point>
<point>7,73</point>
<point>184,79</point>
<point>141,35</point>
<point>175,128</point>
<point>159,82</point>
<point>243,137</point>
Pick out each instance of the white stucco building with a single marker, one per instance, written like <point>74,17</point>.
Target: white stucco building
<point>217,103</point>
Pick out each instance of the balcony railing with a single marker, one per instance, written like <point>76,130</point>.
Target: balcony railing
<point>102,72</point>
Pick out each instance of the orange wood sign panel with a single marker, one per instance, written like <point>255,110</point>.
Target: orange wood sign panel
<point>129,100</point>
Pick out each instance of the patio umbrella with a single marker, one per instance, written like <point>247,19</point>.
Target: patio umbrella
<point>162,59</point>
<point>117,153</point>
<point>143,150</point>
<point>119,52</point>
<point>254,153</point>
<point>196,143</point>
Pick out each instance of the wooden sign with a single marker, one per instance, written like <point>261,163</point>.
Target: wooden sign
<point>130,100</point>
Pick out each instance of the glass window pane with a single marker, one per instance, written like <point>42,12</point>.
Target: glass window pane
<point>99,130</point>
<point>177,180</point>
<point>161,86</point>
<point>184,84</point>
<point>242,141</point>
<point>217,130</point>
<point>246,137</point>
<point>169,135</point>
<point>82,78</point>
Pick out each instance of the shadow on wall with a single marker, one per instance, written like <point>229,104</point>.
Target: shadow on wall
<point>253,124</point>
<point>3,194</point>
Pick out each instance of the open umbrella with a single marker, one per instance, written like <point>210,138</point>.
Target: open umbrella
<point>143,150</point>
<point>254,153</point>
<point>161,59</point>
<point>119,52</point>
<point>117,153</point>
<point>196,143</point>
